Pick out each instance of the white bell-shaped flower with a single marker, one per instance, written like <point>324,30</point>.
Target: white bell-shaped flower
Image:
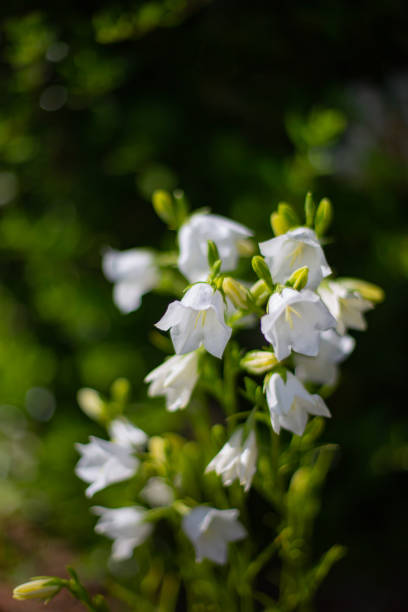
<point>346,306</point>
<point>210,530</point>
<point>297,248</point>
<point>197,319</point>
<point>102,463</point>
<point>122,432</point>
<point>293,322</point>
<point>176,379</point>
<point>134,273</point>
<point>193,241</point>
<point>290,404</point>
<point>125,526</point>
<point>236,460</point>
<point>323,368</point>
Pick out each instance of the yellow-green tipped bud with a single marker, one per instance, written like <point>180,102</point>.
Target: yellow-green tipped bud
<point>324,215</point>
<point>92,404</point>
<point>368,291</point>
<point>260,292</point>
<point>157,448</point>
<point>38,588</point>
<point>212,253</point>
<point>120,390</point>
<point>236,292</point>
<point>279,224</point>
<point>245,247</point>
<point>164,207</point>
<point>299,278</point>
<point>258,362</point>
<point>288,213</point>
<point>310,209</point>
<point>261,270</point>
<point>300,482</point>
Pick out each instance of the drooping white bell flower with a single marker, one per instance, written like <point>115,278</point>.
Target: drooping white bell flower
<point>125,526</point>
<point>236,460</point>
<point>122,432</point>
<point>210,530</point>
<point>197,319</point>
<point>297,248</point>
<point>289,403</point>
<point>293,322</point>
<point>323,368</point>
<point>193,241</point>
<point>346,306</point>
<point>134,273</point>
<point>102,463</point>
<point>176,379</point>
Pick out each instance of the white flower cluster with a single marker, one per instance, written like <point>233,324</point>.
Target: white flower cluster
<point>305,325</point>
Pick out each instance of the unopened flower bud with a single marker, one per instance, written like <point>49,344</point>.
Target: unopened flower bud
<point>261,270</point>
<point>44,587</point>
<point>212,253</point>
<point>164,207</point>
<point>368,291</point>
<point>258,362</point>
<point>91,403</point>
<point>324,215</point>
<point>260,292</point>
<point>245,247</point>
<point>310,209</point>
<point>157,448</point>
<point>279,224</point>
<point>298,279</point>
<point>120,389</point>
<point>236,292</point>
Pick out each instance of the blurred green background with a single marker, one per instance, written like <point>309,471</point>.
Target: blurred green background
<point>242,105</point>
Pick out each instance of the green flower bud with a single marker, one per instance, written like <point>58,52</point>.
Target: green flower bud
<point>261,270</point>
<point>279,224</point>
<point>324,215</point>
<point>258,362</point>
<point>236,292</point>
<point>44,587</point>
<point>260,292</point>
<point>212,253</point>
<point>298,279</point>
<point>120,390</point>
<point>164,207</point>
<point>310,209</point>
<point>368,291</point>
<point>91,402</point>
<point>288,213</point>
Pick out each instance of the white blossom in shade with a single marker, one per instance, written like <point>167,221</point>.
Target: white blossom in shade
<point>290,403</point>
<point>176,379</point>
<point>323,368</point>
<point>236,460</point>
<point>125,526</point>
<point>193,241</point>
<point>134,273</point>
<point>157,493</point>
<point>102,463</point>
<point>122,432</point>
<point>199,318</point>
<point>210,530</point>
<point>346,306</point>
<point>293,322</point>
<point>295,249</point>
